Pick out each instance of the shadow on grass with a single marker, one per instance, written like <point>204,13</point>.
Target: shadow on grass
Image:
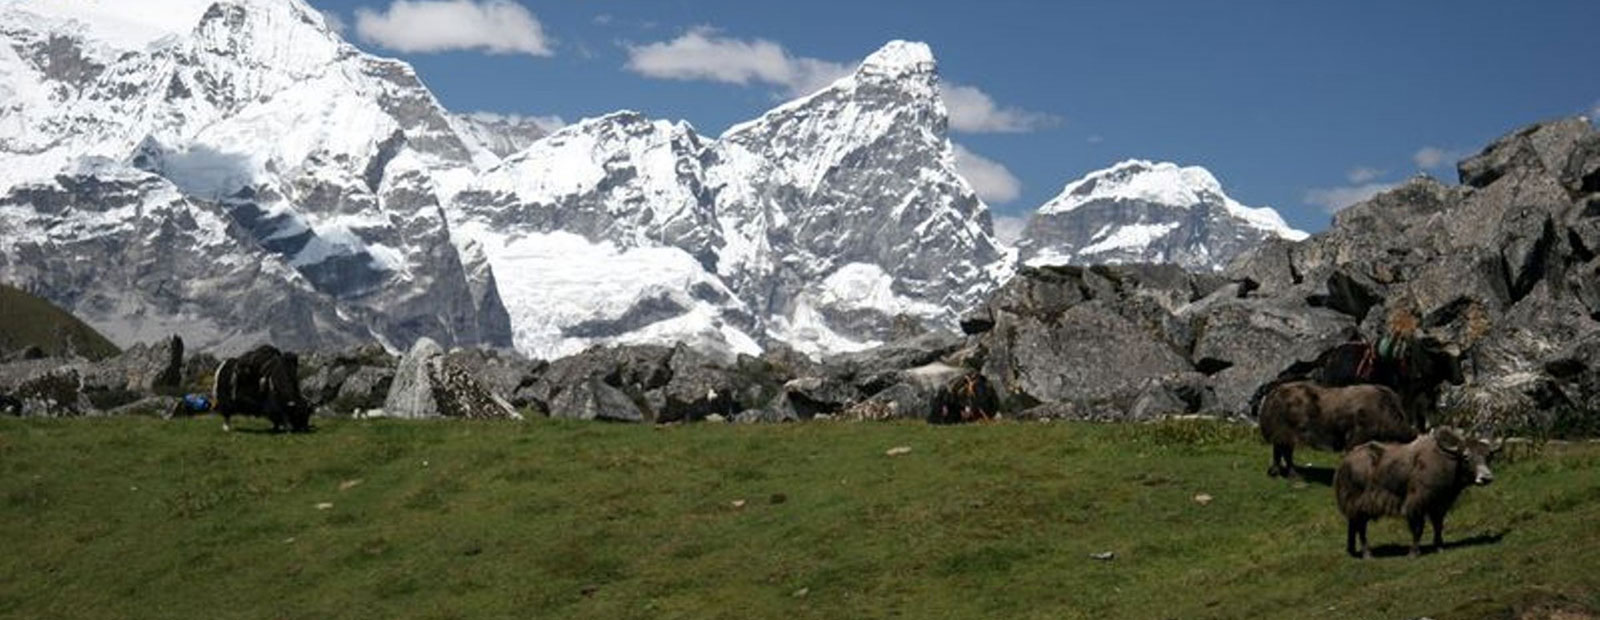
<point>1394,551</point>
<point>1316,475</point>
<point>271,431</point>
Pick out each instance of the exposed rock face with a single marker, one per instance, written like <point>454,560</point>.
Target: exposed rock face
<point>427,385</point>
<point>156,368</point>
<point>356,379</point>
<point>1088,335</point>
<point>1503,265</point>
<point>54,393</point>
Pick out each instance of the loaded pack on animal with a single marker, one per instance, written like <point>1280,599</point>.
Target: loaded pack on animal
<point>265,382</point>
<point>1417,480</point>
<point>1414,367</point>
<point>1328,418</point>
<point>966,398</point>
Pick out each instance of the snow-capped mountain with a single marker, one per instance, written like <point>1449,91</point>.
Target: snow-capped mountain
<point>362,208</point>
<point>606,233</point>
<point>1152,212</point>
<point>815,224</point>
<point>843,209</point>
<point>331,162</point>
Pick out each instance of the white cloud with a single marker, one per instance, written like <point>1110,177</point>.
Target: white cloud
<point>1431,157</point>
<point>1594,112</point>
<point>546,124</point>
<point>1363,174</point>
<point>603,19</point>
<point>1333,199</point>
<point>702,54</point>
<point>335,22</point>
<point>493,26</point>
<point>989,178</point>
<point>1008,228</point>
<point>972,110</point>
<point>1095,139</point>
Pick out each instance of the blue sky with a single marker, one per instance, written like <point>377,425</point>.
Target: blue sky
<point>1301,106</point>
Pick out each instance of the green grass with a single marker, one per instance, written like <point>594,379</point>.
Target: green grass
<point>26,320</point>
<point>144,518</point>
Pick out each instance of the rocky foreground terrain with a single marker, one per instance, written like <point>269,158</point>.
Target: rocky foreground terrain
<point>1505,265</point>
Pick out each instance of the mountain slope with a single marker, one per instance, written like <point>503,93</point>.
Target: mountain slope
<point>1142,211</point>
<point>29,321</point>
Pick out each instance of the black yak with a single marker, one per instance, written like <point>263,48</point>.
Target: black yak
<point>1327,418</point>
<point>1413,368</point>
<point>1415,480</point>
<point>264,381</point>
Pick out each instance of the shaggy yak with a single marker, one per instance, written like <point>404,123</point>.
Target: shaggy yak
<point>966,398</point>
<point>1327,418</point>
<point>1415,369</point>
<point>264,381</point>
<point>1419,479</point>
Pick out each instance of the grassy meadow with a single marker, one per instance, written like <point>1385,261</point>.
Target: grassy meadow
<point>147,518</point>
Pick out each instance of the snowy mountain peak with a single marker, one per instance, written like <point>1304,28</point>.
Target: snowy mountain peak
<point>897,59</point>
<point>1139,179</point>
<point>1144,211</point>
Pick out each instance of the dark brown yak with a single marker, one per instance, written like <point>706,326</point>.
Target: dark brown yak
<point>264,381</point>
<point>1414,480</point>
<point>1327,418</point>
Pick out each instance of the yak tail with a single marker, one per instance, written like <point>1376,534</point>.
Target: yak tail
<point>223,382</point>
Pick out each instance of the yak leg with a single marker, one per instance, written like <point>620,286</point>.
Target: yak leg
<point>1289,470</point>
<point>226,415</point>
<point>1358,532</point>
<point>1415,523</point>
<point>1350,538</point>
<point>1438,530</point>
<point>1272,467</point>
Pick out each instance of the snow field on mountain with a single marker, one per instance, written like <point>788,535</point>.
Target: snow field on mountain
<point>553,282</point>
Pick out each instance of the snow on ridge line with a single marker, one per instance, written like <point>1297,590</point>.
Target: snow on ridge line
<point>897,58</point>
<point>1164,183</point>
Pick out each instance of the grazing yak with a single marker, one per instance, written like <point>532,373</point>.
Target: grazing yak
<point>1327,418</point>
<point>264,381</point>
<point>966,398</point>
<point>1414,480</point>
<point>1415,369</point>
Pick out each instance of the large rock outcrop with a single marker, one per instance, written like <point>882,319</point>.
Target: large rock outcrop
<point>1504,266</point>
<point>427,385</point>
